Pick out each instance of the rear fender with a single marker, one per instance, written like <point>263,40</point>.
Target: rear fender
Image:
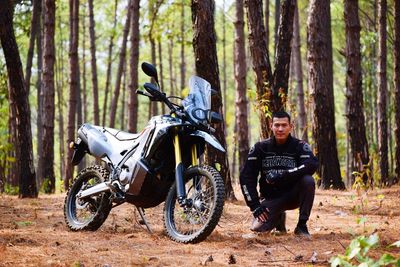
<point>80,149</point>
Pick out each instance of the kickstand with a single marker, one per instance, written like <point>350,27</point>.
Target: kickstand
<point>142,215</point>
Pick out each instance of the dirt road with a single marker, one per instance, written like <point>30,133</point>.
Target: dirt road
<point>33,233</point>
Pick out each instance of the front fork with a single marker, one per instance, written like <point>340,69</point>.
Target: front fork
<point>179,170</point>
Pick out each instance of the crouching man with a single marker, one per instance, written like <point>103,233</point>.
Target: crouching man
<point>286,165</point>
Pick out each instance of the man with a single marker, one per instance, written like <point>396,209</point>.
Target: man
<point>286,165</point>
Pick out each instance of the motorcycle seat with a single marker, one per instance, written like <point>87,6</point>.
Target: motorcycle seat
<point>121,135</point>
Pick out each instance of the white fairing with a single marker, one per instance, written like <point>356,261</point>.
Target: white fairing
<point>199,98</point>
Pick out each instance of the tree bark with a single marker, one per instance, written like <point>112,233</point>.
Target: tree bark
<point>204,44</point>
<point>18,94</point>
<point>74,86</point>
<point>123,101</point>
<point>47,159</point>
<point>271,88</point>
<point>224,57</point>
<point>122,56</point>
<point>396,50</point>
<point>298,76</point>
<point>134,63</point>
<point>109,61</point>
<point>359,158</point>
<point>95,88</point>
<point>39,132</point>
<point>277,16</point>
<point>35,27</point>
<point>170,65</point>
<point>283,52</point>
<point>182,36</point>
<point>161,78</point>
<point>261,63</point>
<point>242,127</point>
<point>382,93</point>
<point>266,13</point>
<point>320,75</point>
<point>83,94</point>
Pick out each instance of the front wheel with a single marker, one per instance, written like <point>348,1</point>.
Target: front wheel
<point>205,195</point>
<point>91,212</point>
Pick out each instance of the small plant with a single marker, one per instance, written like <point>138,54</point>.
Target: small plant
<point>356,254</point>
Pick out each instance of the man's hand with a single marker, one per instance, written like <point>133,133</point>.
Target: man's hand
<point>261,213</point>
<point>274,176</point>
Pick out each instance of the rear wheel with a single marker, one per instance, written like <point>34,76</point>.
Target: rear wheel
<point>89,213</point>
<point>205,197</point>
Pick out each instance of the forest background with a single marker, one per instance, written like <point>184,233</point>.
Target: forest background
<point>166,39</point>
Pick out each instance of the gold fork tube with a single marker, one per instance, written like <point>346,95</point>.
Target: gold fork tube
<point>194,155</point>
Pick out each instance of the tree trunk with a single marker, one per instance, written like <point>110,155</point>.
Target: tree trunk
<point>359,158</point>
<point>35,28</point>
<point>161,77</point>
<point>95,88</point>
<point>382,93</point>
<point>396,50</point>
<point>84,83</point>
<point>134,63</point>
<point>271,89</point>
<point>182,36</point>
<point>171,66</point>
<point>224,57</point>
<point>153,108</point>
<point>60,99</point>
<point>320,75</point>
<point>13,173</point>
<point>74,86</point>
<point>277,15</point>
<point>204,44</point>
<point>242,132</point>
<point>18,94</point>
<point>39,133</point>
<point>122,56</point>
<point>109,61</point>
<point>283,52</point>
<point>123,101</point>
<point>47,159</point>
<point>261,63</point>
<point>298,76</point>
<point>266,13</point>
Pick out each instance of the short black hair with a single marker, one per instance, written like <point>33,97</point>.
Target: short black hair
<point>280,114</point>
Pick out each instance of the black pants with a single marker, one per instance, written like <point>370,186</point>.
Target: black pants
<point>300,196</point>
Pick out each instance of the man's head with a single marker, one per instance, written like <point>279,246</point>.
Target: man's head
<point>281,126</point>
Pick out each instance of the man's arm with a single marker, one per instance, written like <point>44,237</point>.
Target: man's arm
<point>248,177</point>
<point>307,163</point>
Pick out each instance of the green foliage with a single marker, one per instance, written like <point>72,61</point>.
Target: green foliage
<point>356,253</point>
<point>23,224</point>
<point>11,190</point>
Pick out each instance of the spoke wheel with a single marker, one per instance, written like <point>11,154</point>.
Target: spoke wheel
<point>205,199</point>
<point>89,213</point>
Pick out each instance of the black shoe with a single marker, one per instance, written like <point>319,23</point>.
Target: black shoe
<point>280,226</point>
<point>301,230</point>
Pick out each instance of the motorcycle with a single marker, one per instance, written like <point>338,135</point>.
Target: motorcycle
<point>159,164</point>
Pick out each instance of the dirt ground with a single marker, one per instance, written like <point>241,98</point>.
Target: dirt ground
<point>33,233</point>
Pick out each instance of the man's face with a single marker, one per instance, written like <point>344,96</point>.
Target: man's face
<point>281,129</point>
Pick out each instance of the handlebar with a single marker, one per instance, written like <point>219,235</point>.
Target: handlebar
<point>156,95</point>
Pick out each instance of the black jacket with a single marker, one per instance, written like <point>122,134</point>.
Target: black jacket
<point>295,156</point>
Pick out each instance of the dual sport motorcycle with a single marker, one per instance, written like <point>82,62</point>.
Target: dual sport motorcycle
<point>159,164</point>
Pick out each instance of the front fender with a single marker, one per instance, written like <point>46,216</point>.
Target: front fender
<point>209,139</point>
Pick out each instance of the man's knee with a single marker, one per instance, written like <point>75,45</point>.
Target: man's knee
<point>307,182</point>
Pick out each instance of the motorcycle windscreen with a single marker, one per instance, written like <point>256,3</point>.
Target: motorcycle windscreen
<point>199,98</point>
